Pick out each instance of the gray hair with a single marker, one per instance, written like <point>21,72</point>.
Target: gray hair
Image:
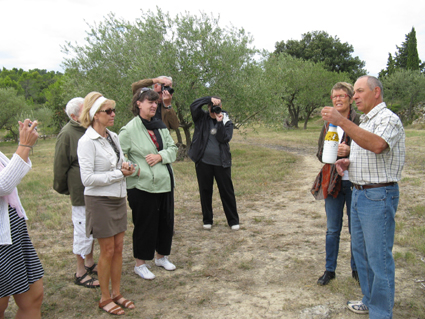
<point>346,87</point>
<point>373,82</point>
<point>73,107</point>
<point>167,77</point>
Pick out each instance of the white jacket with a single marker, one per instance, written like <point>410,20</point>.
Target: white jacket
<point>15,169</point>
<point>100,173</point>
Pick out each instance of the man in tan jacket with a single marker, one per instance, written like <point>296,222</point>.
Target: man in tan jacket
<point>165,111</point>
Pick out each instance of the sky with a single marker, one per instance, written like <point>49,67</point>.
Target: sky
<point>33,31</point>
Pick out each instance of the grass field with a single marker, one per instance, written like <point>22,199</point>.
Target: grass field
<point>267,166</point>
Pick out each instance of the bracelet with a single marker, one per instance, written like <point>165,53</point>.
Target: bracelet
<point>25,145</point>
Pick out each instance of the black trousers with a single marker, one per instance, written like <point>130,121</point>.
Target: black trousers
<point>223,176</point>
<point>153,223</point>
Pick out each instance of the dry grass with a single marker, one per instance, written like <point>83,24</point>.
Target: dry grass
<point>268,269</point>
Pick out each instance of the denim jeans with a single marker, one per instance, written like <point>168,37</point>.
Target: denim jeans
<point>372,235</point>
<point>334,215</point>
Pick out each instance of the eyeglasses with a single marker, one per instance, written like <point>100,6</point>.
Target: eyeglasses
<point>108,111</point>
<point>340,96</point>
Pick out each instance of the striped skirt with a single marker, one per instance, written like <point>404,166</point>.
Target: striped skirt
<point>19,263</point>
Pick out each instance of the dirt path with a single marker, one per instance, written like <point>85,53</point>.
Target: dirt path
<point>269,268</point>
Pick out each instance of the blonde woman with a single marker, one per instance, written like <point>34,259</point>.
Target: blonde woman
<point>103,173</point>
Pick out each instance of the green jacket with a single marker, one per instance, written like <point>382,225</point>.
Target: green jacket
<point>136,144</point>
<point>66,170</point>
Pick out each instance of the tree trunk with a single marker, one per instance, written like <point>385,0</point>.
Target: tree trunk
<point>294,111</point>
<point>179,137</point>
<point>186,129</point>
<point>308,114</point>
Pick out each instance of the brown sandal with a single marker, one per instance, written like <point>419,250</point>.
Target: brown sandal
<point>114,310</point>
<point>126,303</point>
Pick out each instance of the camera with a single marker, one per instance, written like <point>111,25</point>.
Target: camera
<point>216,109</point>
<point>167,88</point>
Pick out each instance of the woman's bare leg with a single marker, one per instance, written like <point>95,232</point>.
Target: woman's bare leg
<point>29,303</point>
<point>107,248</point>
<point>116,268</point>
<point>4,302</point>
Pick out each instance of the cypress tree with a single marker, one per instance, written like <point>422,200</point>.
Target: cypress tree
<point>413,61</point>
<point>401,56</point>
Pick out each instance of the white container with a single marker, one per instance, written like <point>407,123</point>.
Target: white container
<point>330,147</point>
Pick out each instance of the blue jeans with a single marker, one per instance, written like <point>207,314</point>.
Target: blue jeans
<point>334,214</point>
<point>372,235</point>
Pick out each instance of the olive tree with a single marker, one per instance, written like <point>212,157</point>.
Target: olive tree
<point>299,87</point>
<point>319,46</point>
<point>406,87</point>
<point>202,57</point>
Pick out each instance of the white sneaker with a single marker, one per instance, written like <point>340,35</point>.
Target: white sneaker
<point>207,226</point>
<point>144,272</point>
<point>235,227</point>
<point>358,307</point>
<point>164,262</point>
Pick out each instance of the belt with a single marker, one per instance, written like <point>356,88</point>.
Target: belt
<point>360,187</point>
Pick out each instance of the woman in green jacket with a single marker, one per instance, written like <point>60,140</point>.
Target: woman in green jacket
<point>148,144</point>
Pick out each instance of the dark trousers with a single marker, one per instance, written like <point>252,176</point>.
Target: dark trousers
<point>153,223</point>
<point>206,174</point>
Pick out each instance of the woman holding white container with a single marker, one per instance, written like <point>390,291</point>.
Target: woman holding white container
<point>334,189</point>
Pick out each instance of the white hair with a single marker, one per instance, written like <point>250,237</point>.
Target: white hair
<point>167,77</point>
<point>74,107</point>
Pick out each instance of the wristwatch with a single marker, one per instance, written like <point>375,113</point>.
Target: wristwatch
<point>167,107</point>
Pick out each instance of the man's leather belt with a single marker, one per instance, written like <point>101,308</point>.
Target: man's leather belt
<point>360,187</point>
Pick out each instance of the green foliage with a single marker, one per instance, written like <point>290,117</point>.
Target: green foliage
<point>11,104</point>
<point>40,89</point>
<point>390,67</point>
<point>413,61</point>
<point>33,84</point>
<point>56,102</point>
<point>299,87</point>
<point>406,87</point>
<point>7,82</point>
<point>202,57</point>
<point>406,56</point>
<point>45,119</point>
<point>319,46</point>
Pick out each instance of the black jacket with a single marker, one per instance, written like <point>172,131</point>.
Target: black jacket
<point>202,130</point>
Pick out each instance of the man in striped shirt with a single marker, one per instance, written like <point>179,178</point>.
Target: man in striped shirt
<point>376,160</point>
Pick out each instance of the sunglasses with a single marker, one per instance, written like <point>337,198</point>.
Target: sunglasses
<point>143,90</point>
<point>108,111</point>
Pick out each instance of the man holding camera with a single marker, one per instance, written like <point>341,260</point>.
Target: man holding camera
<point>210,151</point>
<point>163,86</point>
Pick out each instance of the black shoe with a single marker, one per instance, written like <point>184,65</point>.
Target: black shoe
<point>327,276</point>
<point>355,275</point>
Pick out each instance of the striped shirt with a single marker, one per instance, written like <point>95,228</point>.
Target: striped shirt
<point>367,167</point>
